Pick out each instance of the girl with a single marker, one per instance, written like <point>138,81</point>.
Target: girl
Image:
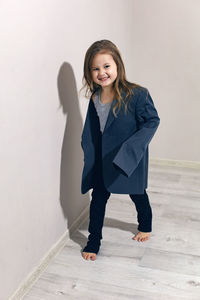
<point>115,144</point>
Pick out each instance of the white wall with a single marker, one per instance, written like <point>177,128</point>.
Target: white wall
<point>165,47</point>
<point>42,53</point>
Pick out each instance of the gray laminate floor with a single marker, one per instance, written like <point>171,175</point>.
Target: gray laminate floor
<point>166,267</point>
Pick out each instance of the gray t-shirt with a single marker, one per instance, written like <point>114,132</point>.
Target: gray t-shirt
<point>102,109</point>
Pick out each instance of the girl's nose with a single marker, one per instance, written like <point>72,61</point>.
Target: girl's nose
<point>101,72</point>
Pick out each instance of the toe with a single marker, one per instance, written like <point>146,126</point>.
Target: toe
<point>135,237</point>
<point>88,256</point>
<point>85,256</point>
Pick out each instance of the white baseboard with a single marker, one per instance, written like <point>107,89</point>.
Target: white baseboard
<point>177,163</point>
<point>34,275</point>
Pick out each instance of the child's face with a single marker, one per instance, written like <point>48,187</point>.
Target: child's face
<point>103,70</point>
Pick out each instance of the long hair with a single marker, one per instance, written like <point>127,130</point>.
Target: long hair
<point>121,84</point>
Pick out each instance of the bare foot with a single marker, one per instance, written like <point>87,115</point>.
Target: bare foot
<point>141,236</point>
<point>89,255</point>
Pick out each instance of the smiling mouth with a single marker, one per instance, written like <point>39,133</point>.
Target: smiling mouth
<point>104,79</point>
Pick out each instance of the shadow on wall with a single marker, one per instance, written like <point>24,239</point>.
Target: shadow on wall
<point>71,199</point>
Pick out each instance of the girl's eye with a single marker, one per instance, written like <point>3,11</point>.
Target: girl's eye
<point>98,69</point>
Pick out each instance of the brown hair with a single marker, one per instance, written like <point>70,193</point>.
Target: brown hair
<point>121,84</point>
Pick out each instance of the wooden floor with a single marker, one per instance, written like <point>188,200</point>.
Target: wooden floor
<point>166,267</point>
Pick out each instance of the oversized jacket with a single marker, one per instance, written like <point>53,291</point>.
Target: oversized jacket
<point>125,140</point>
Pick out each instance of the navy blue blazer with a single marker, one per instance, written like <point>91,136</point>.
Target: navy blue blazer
<point>125,141</point>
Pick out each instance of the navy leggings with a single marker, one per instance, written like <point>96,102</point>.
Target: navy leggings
<point>98,205</point>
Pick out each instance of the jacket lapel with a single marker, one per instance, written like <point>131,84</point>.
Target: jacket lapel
<point>111,116</point>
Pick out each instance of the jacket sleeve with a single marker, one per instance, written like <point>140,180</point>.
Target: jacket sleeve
<point>133,149</point>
